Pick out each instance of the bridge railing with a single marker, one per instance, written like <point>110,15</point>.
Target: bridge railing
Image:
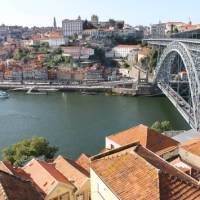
<point>183,106</point>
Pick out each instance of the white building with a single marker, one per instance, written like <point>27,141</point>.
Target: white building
<point>122,51</point>
<point>57,41</point>
<point>163,29</point>
<point>71,27</point>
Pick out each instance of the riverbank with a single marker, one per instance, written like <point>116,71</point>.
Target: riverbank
<point>127,88</point>
<point>50,87</point>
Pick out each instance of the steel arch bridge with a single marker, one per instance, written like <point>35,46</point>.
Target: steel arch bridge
<point>178,57</point>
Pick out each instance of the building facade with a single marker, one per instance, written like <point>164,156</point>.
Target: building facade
<point>71,27</point>
<point>122,51</point>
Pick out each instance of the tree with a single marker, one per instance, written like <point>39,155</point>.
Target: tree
<point>21,53</point>
<point>112,22</point>
<point>120,25</point>
<point>23,151</point>
<point>58,51</point>
<point>99,54</point>
<point>95,18</point>
<point>88,25</point>
<point>152,57</point>
<point>161,126</point>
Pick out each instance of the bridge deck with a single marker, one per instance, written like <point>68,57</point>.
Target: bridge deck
<point>181,105</point>
<point>168,40</point>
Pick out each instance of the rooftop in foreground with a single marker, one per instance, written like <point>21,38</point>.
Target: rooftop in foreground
<point>147,137</point>
<point>135,168</point>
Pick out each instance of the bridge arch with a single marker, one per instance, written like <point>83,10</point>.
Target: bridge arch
<point>163,69</point>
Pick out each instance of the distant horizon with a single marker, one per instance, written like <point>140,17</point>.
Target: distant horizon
<point>41,13</point>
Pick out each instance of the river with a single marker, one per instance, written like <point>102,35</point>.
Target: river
<point>78,123</point>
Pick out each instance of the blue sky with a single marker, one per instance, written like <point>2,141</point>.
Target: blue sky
<point>134,12</point>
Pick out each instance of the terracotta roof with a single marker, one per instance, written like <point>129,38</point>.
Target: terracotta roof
<point>138,173</point>
<point>72,171</point>
<point>91,30</point>
<point>14,188</point>
<point>144,51</point>
<point>128,175</point>
<point>55,173</point>
<point>7,167</point>
<point>50,176</point>
<point>172,188</point>
<point>147,137</point>
<point>84,161</point>
<point>178,163</point>
<point>192,146</point>
<point>164,166</point>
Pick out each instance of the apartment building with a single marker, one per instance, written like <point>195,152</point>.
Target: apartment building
<point>161,30</point>
<point>71,27</point>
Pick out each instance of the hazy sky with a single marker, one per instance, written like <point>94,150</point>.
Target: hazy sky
<point>134,12</point>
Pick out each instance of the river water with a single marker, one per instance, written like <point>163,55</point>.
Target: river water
<point>78,123</point>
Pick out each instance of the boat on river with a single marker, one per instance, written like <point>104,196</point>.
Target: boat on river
<point>88,93</point>
<point>34,91</point>
<point>3,95</point>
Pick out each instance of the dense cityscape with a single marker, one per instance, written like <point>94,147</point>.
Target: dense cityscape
<point>97,109</point>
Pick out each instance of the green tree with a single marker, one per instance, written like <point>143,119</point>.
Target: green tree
<point>120,25</point>
<point>25,150</point>
<point>161,126</point>
<point>152,57</point>
<point>21,53</point>
<point>112,22</point>
<point>57,51</point>
<point>99,54</point>
<point>88,25</point>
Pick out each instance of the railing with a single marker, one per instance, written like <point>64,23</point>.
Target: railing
<point>183,106</point>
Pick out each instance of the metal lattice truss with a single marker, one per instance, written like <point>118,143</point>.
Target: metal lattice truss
<point>190,55</point>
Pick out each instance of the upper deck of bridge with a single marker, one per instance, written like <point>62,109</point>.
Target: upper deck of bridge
<point>166,41</point>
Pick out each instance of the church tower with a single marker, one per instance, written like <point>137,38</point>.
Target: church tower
<point>54,23</point>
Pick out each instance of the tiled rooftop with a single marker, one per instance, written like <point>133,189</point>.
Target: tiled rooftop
<point>134,172</point>
<point>128,175</point>
<point>50,176</point>
<point>147,137</point>
<point>192,146</point>
<point>14,188</point>
<point>84,161</point>
<point>71,170</point>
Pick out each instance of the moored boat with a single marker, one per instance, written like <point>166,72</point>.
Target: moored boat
<point>88,93</point>
<point>3,94</point>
